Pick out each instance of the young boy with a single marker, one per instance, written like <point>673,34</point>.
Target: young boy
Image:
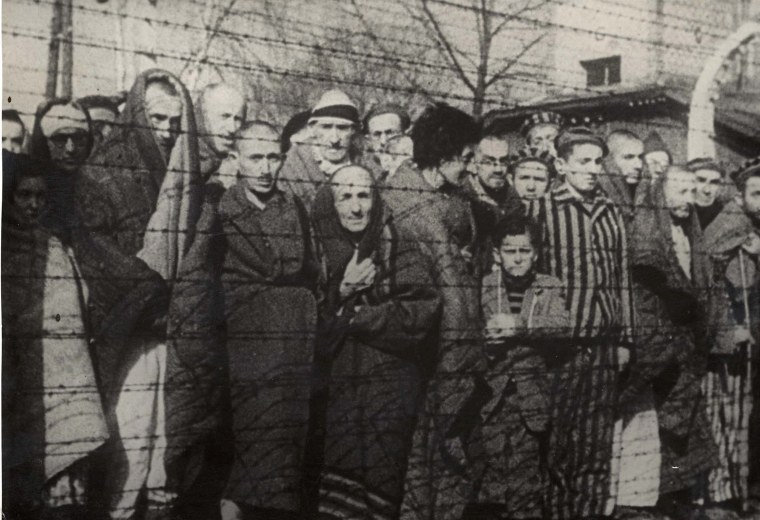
<point>526,323</point>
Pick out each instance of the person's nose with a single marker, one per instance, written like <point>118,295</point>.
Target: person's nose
<point>69,147</point>
<point>356,208</point>
<point>531,186</point>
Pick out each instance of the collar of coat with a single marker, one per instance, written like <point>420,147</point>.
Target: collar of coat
<point>565,193</point>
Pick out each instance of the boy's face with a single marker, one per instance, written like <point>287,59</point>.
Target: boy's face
<point>517,255</point>
<point>30,197</point>
<point>530,180</point>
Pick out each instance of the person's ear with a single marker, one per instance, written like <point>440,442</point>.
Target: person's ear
<point>496,256</point>
<point>560,165</point>
<point>234,156</point>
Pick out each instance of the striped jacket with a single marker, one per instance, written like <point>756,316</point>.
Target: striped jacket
<point>585,246</point>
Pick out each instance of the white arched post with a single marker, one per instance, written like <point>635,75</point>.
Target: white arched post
<point>701,134</point>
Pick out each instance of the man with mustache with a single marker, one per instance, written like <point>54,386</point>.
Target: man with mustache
<point>269,278</point>
<point>333,123</point>
<point>493,199</point>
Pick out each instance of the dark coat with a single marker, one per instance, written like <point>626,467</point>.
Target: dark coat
<point>489,213</point>
<point>670,356</point>
<point>438,484</point>
<point>516,419</point>
<point>379,348</point>
<point>269,278</point>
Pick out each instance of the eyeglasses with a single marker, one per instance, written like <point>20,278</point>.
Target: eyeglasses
<point>490,161</point>
<point>79,139</point>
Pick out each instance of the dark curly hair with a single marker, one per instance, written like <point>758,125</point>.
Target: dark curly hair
<point>518,225</point>
<point>441,133</point>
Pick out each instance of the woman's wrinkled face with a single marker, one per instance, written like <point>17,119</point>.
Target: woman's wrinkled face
<point>352,192</point>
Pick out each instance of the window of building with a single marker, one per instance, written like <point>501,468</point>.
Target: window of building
<point>602,71</point>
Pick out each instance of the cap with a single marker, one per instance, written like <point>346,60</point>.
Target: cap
<point>749,168</point>
<point>654,143</point>
<point>705,163</point>
<point>578,135</point>
<point>337,104</point>
<point>541,118</point>
<point>528,154</point>
<point>388,108</point>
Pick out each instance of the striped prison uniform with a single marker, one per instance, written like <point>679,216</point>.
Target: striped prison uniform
<point>584,245</point>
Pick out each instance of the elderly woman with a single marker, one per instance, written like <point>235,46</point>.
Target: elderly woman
<point>377,315</point>
<point>52,413</point>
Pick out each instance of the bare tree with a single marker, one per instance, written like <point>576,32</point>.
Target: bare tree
<point>476,68</point>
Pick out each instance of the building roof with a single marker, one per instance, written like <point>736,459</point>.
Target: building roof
<point>737,115</point>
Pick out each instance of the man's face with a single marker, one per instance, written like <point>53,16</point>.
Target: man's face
<point>30,197</point>
<point>751,199</point>
<point>352,193</point>
<point>13,136</point>
<point>582,167</point>
<point>680,190</point>
<point>453,170</point>
<point>333,137</point>
<point>224,112</point>
<point>708,187</point>
<point>517,255</point>
<point>68,149</point>
<point>491,163</point>
<point>628,157</point>
<point>259,160</point>
<point>542,138</point>
<point>381,128</point>
<point>165,119</point>
<point>657,162</point>
<point>530,180</point>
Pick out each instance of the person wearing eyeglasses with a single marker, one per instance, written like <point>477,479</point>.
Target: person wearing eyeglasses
<point>493,198</point>
<point>61,141</point>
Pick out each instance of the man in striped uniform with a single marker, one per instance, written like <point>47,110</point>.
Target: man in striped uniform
<point>584,245</point>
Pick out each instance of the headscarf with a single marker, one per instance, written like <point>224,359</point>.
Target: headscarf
<point>53,115</point>
<point>337,244</point>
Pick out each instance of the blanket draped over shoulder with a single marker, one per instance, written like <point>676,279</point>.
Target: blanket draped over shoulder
<point>53,416</point>
<point>671,350</point>
<point>118,194</point>
<point>438,484</point>
<point>377,342</point>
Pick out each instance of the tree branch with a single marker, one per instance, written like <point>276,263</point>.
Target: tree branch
<point>500,74</point>
<point>450,52</point>
<point>514,15</point>
<point>372,36</point>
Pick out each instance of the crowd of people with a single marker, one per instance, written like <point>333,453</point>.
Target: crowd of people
<point>369,316</point>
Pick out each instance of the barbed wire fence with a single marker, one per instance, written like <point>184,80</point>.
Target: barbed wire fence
<point>421,52</point>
